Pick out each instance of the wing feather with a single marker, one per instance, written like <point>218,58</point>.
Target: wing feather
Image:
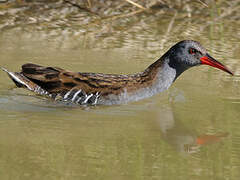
<point>57,80</point>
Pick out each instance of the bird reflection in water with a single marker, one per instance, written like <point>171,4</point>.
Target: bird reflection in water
<point>180,136</point>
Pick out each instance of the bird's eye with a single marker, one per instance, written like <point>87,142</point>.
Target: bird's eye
<point>192,51</point>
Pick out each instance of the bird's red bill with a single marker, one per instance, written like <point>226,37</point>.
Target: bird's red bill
<point>208,60</point>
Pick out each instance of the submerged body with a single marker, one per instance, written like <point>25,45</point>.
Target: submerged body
<point>95,88</point>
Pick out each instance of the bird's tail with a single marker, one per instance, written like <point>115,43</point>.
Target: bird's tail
<point>17,78</point>
<point>22,81</point>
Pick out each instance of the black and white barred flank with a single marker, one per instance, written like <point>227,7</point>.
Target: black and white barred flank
<point>78,97</point>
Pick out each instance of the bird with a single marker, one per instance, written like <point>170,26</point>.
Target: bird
<point>84,88</point>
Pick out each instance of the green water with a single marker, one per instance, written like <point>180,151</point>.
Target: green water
<point>191,131</point>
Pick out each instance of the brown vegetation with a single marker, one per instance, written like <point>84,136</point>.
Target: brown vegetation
<point>62,13</point>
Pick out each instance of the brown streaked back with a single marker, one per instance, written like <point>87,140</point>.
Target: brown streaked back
<point>56,80</point>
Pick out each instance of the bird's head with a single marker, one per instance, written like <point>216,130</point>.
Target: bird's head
<point>188,53</point>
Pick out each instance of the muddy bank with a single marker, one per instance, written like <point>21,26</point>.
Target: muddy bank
<point>93,23</point>
<point>94,14</point>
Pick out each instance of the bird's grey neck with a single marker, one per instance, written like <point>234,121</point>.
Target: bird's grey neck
<point>179,67</point>
<point>164,77</point>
